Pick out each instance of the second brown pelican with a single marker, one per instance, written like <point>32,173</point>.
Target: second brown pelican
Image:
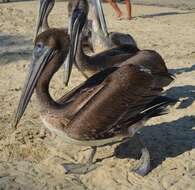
<point>89,65</point>
<point>126,54</point>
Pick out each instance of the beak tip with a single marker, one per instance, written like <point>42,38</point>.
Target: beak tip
<point>14,124</point>
<point>66,79</point>
<point>66,83</point>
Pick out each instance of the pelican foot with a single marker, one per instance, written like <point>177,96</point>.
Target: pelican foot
<point>144,163</point>
<point>71,168</point>
<point>143,166</point>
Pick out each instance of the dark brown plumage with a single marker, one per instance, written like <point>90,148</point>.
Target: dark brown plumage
<point>89,65</point>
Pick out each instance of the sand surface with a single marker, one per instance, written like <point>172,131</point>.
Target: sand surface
<point>182,4</point>
<point>31,158</point>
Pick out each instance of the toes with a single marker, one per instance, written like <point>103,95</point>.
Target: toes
<point>79,168</point>
<point>144,166</point>
<point>142,170</point>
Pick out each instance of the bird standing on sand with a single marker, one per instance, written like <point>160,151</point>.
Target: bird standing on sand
<point>109,106</point>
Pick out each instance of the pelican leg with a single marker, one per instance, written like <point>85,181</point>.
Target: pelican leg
<point>71,168</point>
<point>144,163</point>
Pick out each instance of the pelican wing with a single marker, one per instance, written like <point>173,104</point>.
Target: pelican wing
<point>114,99</point>
<point>152,61</point>
<point>92,82</point>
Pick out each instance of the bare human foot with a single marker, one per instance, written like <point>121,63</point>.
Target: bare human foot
<point>119,17</point>
<point>129,18</point>
<point>124,18</point>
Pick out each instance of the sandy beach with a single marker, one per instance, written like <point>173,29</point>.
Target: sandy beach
<point>30,159</point>
<point>182,4</point>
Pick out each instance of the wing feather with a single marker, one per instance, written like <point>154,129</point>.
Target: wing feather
<point>125,91</point>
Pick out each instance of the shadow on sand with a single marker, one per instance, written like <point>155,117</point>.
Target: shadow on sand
<point>164,140</point>
<point>14,48</point>
<point>182,70</point>
<point>12,1</point>
<point>168,139</point>
<point>164,14</point>
<point>186,94</point>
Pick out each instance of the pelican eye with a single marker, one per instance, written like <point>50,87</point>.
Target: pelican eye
<point>38,50</point>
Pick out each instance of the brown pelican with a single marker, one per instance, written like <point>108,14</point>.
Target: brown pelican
<point>101,38</point>
<point>110,106</point>
<point>89,65</point>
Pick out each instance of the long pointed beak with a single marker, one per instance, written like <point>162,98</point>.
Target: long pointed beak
<point>100,15</point>
<point>35,70</point>
<point>42,13</point>
<point>77,22</point>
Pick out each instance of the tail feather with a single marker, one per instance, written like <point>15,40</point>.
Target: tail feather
<point>156,111</point>
<point>162,100</point>
<point>156,108</point>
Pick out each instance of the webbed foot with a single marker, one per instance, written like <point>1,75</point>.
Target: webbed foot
<point>143,166</point>
<point>71,168</point>
<point>144,163</point>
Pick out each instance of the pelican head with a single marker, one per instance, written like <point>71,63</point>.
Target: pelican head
<point>78,19</point>
<point>44,8</point>
<point>48,54</point>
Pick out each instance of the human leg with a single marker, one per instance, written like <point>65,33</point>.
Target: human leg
<point>128,7</point>
<point>115,7</point>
